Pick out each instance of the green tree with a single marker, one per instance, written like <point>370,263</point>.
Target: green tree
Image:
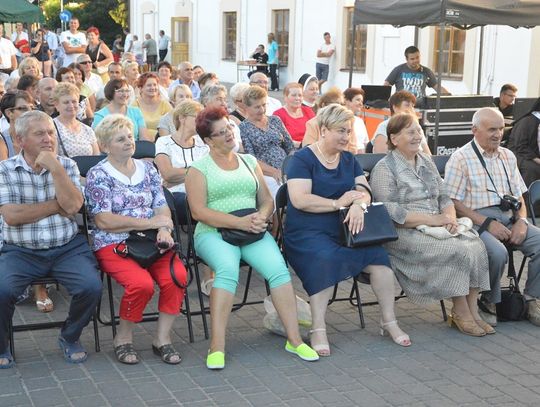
<point>109,16</point>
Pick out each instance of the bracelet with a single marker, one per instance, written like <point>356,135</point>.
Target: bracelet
<point>334,204</point>
<point>485,225</point>
<point>168,229</point>
<point>367,188</point>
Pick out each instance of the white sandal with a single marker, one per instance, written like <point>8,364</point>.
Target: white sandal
<point>206,286</point>
<point>45,305</point>
<point>401,340</point>
<point>322,349</point>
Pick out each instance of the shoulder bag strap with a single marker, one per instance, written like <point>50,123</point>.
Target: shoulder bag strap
<point>483,162</point>
<point>60,140</point>
<point>250,170</point>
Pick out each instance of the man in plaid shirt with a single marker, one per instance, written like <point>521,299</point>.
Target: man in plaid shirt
<point>478,187</point>
<point>40,195</point>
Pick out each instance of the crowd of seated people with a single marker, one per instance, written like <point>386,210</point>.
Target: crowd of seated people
<point>224,151</point>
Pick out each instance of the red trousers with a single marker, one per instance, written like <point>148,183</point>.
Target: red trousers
<point>138,282</point>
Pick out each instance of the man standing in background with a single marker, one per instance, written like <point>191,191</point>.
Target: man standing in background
<point>163,45</point>
<point>324,53</point>
<point>150,45</point>
<point>73,41</point>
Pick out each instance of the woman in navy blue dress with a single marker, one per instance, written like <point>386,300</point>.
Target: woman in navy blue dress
<point>320,178</point>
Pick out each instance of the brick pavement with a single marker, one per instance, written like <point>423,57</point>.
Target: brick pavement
<point>442,368</point>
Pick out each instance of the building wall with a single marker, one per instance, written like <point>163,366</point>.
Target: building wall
<point>509,55</point>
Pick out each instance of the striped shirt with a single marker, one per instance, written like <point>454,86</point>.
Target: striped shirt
<point>467,181</point>
<point>19,184</point>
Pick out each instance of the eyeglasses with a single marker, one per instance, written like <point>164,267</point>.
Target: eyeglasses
<point>22,108</point>
<point>122,90</point>
<point>263,82</point>
<point>223,132</point>
<point>85,62</point>
<point>512,95</point>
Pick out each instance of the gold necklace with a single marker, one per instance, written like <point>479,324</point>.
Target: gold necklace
<point>324,157</point>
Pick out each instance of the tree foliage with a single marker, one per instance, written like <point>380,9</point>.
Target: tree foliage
<point>109,16</point>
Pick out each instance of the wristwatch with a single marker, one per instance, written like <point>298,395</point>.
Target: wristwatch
<point>525,220</point>
<point>363,205</point>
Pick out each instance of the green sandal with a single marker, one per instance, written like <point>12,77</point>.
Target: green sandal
<point>215,360</point>
<point>167,353</point>
<point>303,351</point>
<point>123,351</point>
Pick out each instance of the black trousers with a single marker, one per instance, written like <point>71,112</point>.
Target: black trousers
<point>274,84</point>
<point>162,54</point>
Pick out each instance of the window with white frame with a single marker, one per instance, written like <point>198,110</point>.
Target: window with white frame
<point>280,20</point>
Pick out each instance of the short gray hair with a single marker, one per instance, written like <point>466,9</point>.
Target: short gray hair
<point>480,113</point>
<point>22,125</point>
<point>238,90</point>
<point>208,92</point>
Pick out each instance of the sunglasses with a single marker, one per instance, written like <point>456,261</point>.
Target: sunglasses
<point>22,108</point>
<point>85,62</point>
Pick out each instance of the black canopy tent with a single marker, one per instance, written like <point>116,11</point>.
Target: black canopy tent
<point>12,11</point>
<point>462,14</point>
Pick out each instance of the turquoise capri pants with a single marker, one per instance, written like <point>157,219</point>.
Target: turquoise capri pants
<point>224,258</point>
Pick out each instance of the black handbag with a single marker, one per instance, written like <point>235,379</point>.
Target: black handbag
<point>239,237</point>
<point>513,306</point>
<point>141,246</point>
<point>378,227</point>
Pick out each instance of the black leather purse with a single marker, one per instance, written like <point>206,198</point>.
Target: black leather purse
<point>378,227</point>
<point>239,237</point>
<point>141,246</point>
<point>513,306</point>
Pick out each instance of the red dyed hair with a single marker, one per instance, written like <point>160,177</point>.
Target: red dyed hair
<point>93,30</point>
<point>144,77</point>
<point>207,117</point>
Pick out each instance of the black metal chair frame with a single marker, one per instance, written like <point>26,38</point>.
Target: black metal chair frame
<point>53,324</point>
<point>85,163</point>
<point>532,199</point>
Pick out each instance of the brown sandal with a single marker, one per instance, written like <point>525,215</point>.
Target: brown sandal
<point>122,353</point>
<point>167,353</point>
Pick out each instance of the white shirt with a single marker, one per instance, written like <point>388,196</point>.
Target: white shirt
<point>137,47</point>
<point>325,48</point>
<point>272,104</point>
<point>7,50</point>
<point>74,40</point>
<point>361,133</point>
<point>164,42</point>
<point>23,36</point>
<point>127,41</point>
<point>94,82</point>
<point>180,157</point>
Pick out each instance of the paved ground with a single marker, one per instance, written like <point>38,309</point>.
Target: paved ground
<point>442,368</point>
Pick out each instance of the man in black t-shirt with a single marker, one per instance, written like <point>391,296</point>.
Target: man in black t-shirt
<point>261,57</point>
<point>505,101</point>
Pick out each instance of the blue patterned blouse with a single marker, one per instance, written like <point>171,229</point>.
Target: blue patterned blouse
<point>106,193</point>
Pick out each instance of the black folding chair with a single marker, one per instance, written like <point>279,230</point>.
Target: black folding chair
<point>368,161</point>
<point>440,162</point>
<point>144,149</point>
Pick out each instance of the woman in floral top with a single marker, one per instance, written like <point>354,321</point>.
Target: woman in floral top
<point>123,195</point>
<point>265,137</point>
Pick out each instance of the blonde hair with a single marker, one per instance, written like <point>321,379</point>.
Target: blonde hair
<point>252,94</point>
<point>27,63</point>
<point>65,89</point>
<point>185,109</point>
<point>333,115</point>
<point>111,125</point>
<point>182,87</point>
<point>128,64</point>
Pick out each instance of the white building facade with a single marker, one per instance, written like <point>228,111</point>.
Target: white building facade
<point>216,34</point>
